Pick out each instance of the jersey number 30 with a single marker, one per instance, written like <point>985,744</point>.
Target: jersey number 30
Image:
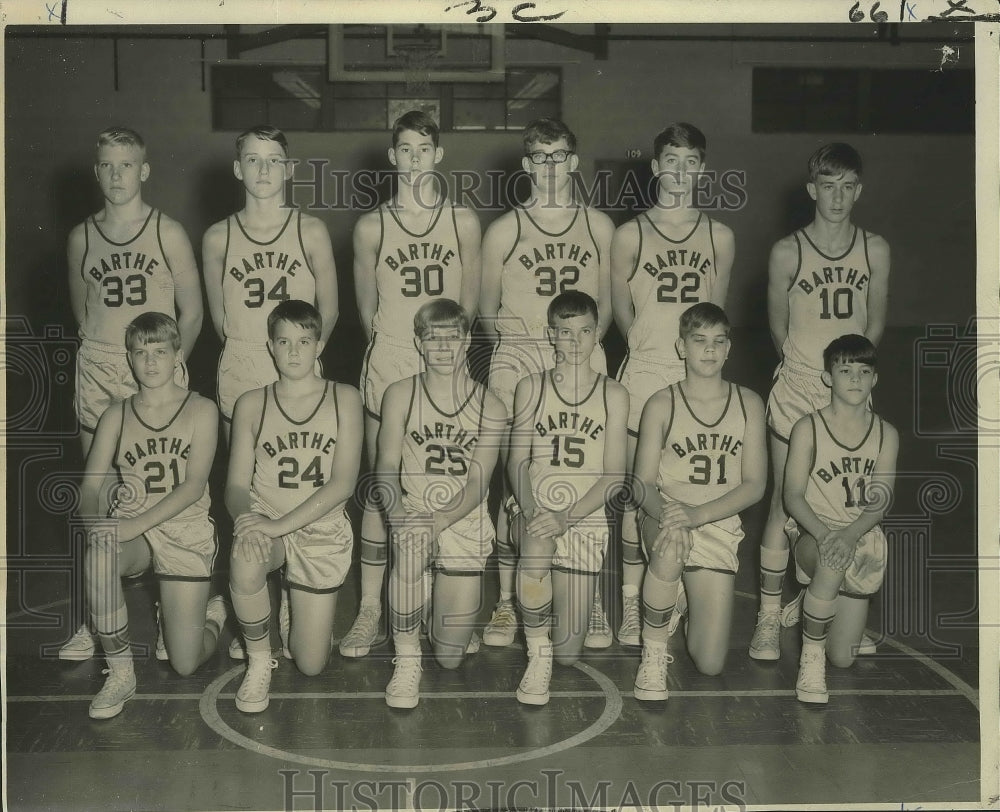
<point>418,282</point>
<point>289,476</point>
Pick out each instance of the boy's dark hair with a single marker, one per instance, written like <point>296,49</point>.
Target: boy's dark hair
<point>295,311</point>
<point>680,134</point>
<point>152,328</point>
<point>834,160</point>
<point>265,132</point>
<point>571,303</point>
<point>849,349</point>
<point>703,314</point>
<point>121,137</point>
<point>419,122</point>
<point>440,312</point>
<point>547,131</point>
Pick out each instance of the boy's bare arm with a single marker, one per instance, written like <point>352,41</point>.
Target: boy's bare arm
<point>725,253</point>
<point>100,464</point>
<point>603,230</point>
<point>239,476</point>
<point>798,466</point>
<point>496,243</point>
<point>76,248</point>
<point>878,288</point>
<point>624,250</point>
<point>615,446</point>
<point>319,252</point>
<point>656,416</point>
<point>213,256</point>
<point>187,285</point>
<point>780,272</point>
<point>390,448</point>
<point>367,233</point>
<point>470,237</point>
<point>519,447</point>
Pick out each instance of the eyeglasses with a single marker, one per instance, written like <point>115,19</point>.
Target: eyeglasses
<point>559,156</point>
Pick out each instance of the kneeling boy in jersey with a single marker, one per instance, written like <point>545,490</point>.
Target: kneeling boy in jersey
<point>437,448</point>
<point>700,460</point>
<point>294,459</point>
<point>566,460</point>
<point>838,483</point>
<point>157,447</point>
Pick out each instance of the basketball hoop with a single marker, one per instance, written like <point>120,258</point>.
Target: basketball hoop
<point>415,60</point>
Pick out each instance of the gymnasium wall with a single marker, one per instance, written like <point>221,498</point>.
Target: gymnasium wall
<point>919,189</point>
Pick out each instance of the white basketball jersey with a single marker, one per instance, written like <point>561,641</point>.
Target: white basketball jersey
<point>542,264</point>
<point>292,458</point>
<point>567,444</point>
<point>152,461</point>
<point>257,276</point>
<point>438,447</point>
<point>669,276</point>
<point>702,461</point>
<point>124,280</point>
<point>412,269</point>
<point>839,485</point>
<point>828,298</point>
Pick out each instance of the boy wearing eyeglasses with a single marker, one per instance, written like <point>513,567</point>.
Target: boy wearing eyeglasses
<point>667,259</point>
<point>549,244</point>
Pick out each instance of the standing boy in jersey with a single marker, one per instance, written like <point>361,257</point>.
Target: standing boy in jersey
<point>825,280</point>
<point>437,448</point>
<point>662,262</point>
<point>266,253</point>
<point>293,464</point>
<point>155,451</point>
<point>531,254</point>
<point>566,461</point>
<point>415,248</point>
<point>701,459</point>
<point>126,259</point>
<point>838,483</point>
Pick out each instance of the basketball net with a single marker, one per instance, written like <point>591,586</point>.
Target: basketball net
<point>416,60</point>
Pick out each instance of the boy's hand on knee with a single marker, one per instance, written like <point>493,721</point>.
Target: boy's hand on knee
<point>254,523</point>
<point>836,550</point>
<point>677,513</point>
<point>673,540</point>
<point>253,546</point>
<point>548,523</point>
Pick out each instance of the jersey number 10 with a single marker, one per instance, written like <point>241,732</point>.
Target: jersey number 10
<point>842,301</point>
